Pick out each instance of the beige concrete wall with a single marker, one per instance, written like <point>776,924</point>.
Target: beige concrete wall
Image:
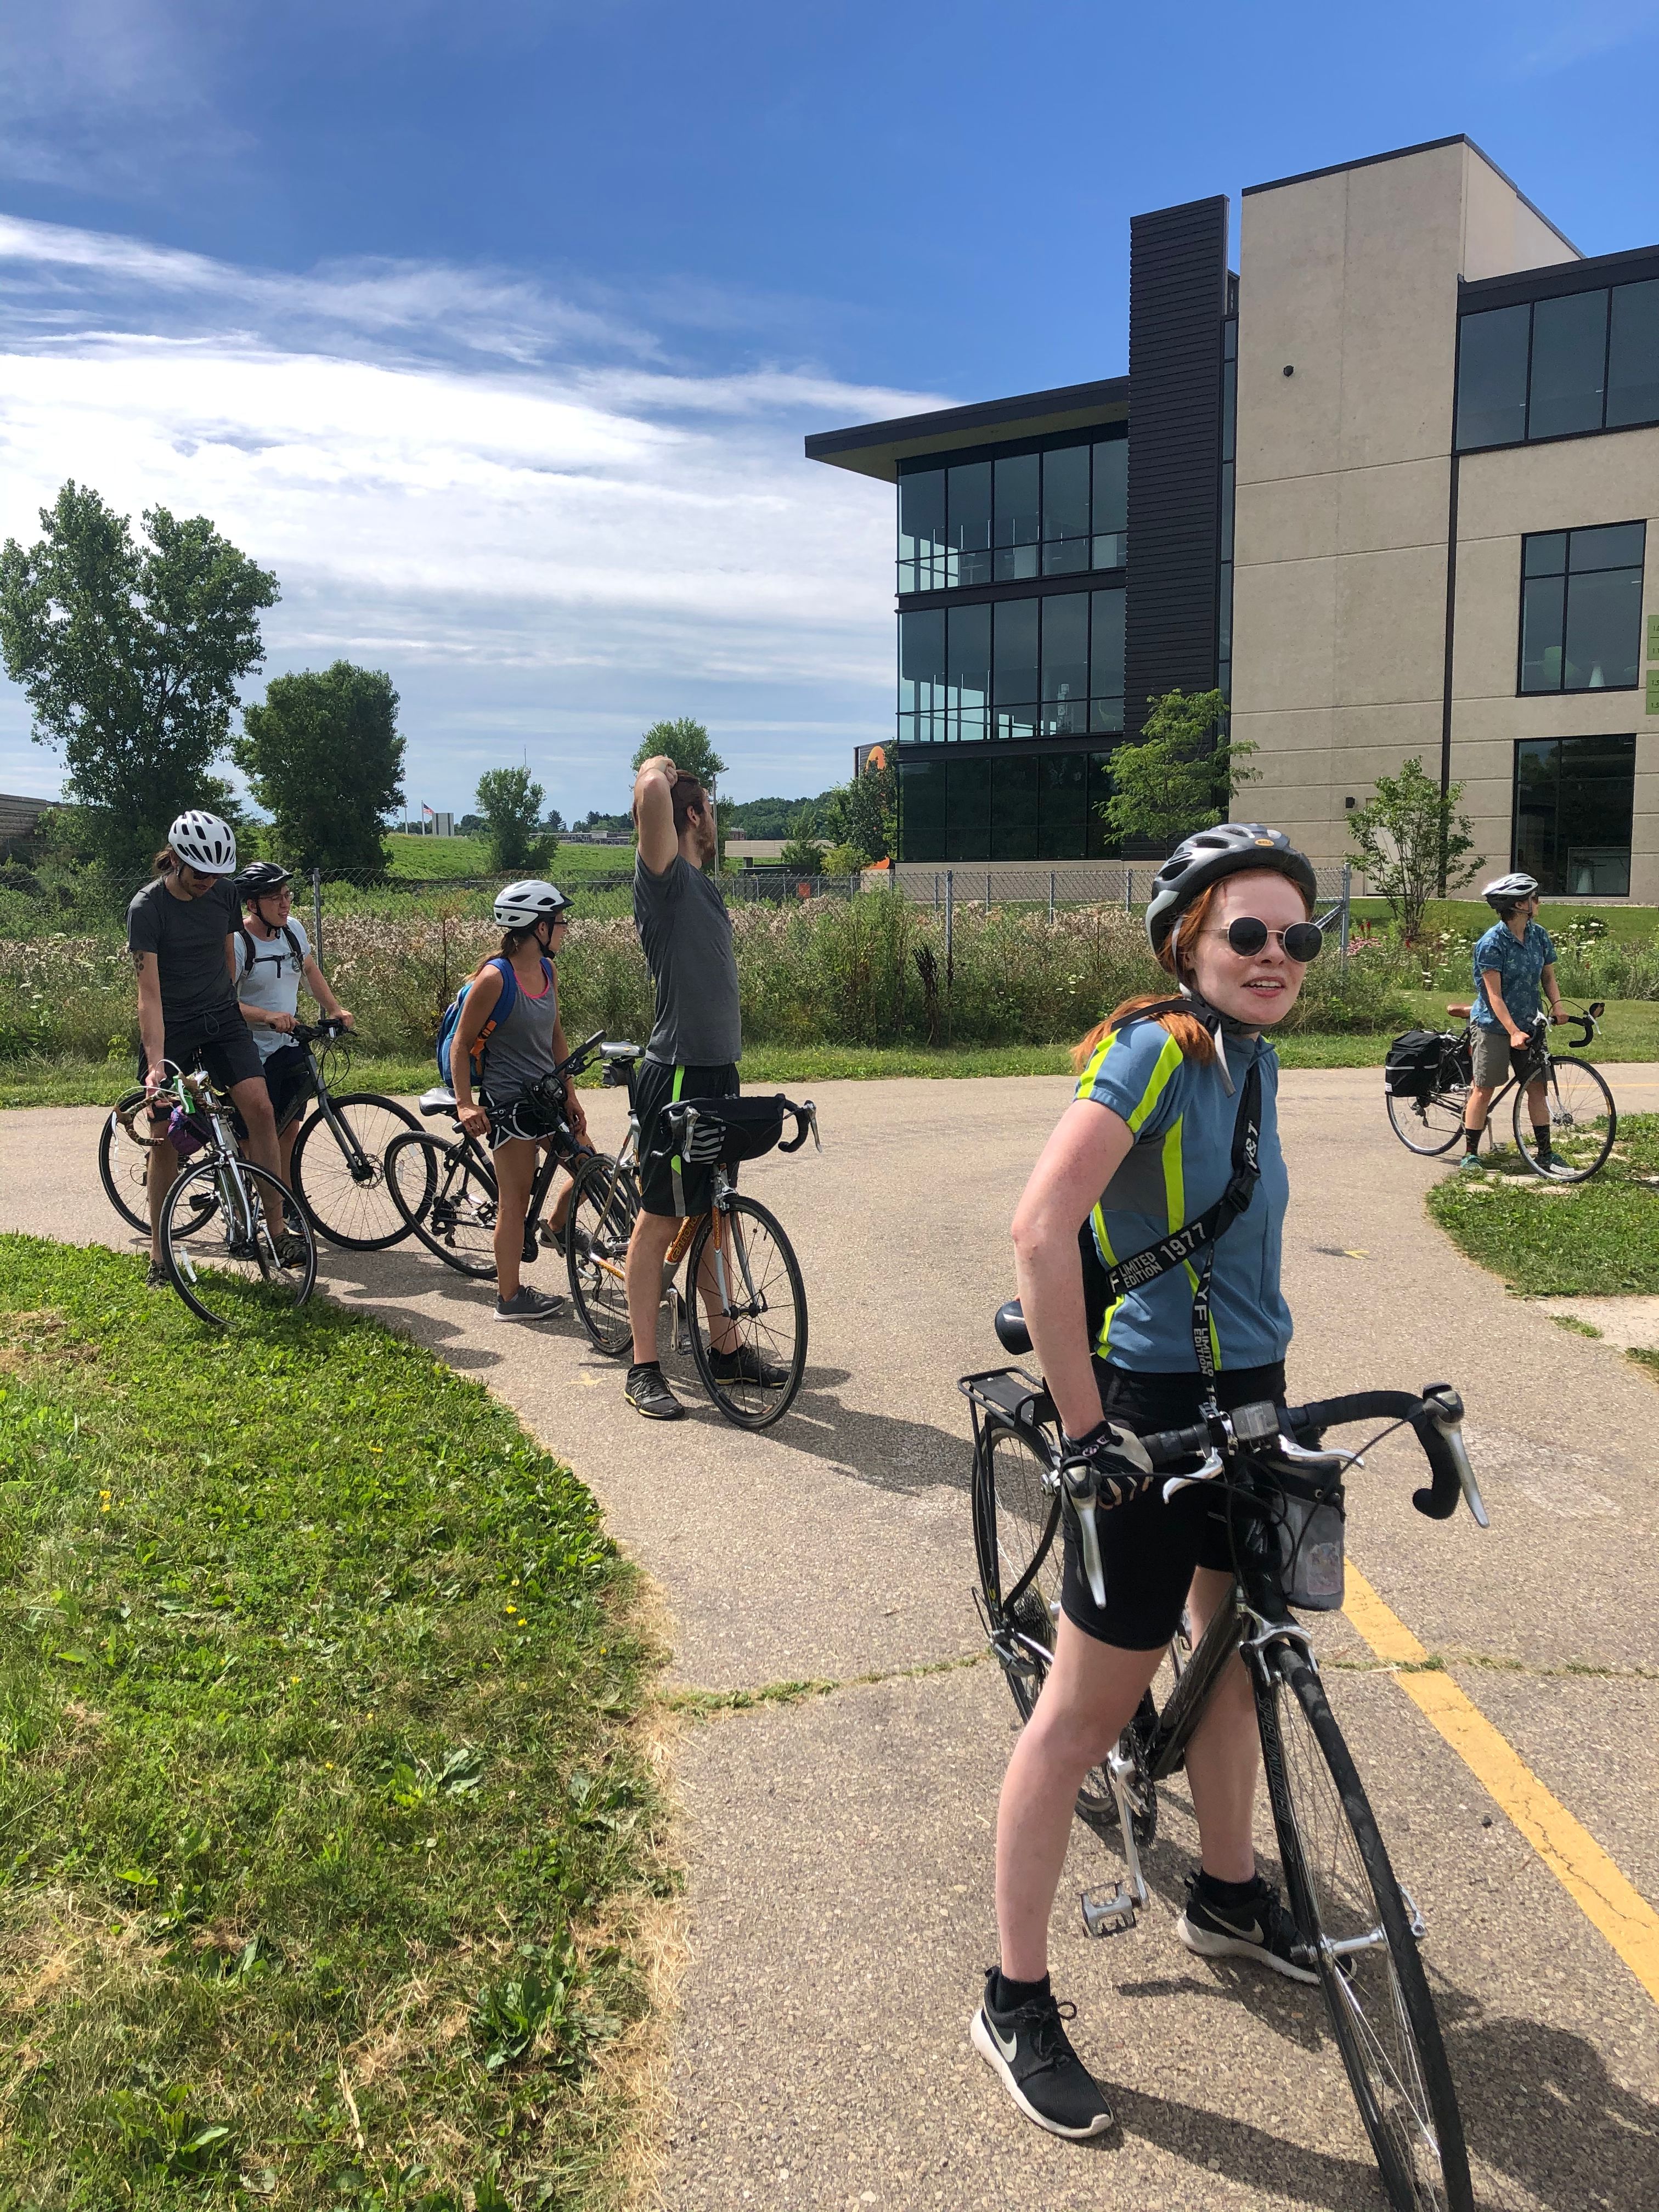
<point>1501,497</point>
<point>1344,468</point>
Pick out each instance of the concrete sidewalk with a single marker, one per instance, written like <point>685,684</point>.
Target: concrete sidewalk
<point>840,1893</point>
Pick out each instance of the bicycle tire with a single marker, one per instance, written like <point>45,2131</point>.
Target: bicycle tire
<point>224,1264</point>
<point>1017,1519</point>
<point>747,1272</point>
<point>1351,1913</point>
<point>447,1199</point>
<point>1575,1091</point>
<point>123,1166</point>
<point>604,1204</point>
<point>1411,1121</point>
<point>337,1191</point>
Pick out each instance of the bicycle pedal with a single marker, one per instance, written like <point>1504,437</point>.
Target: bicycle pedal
<point>1111,1912</point>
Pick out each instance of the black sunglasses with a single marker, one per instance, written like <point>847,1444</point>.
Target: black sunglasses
<point>1302,941</point>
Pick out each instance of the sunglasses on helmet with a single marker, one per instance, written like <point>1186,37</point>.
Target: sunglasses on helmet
<point>1246,935</point>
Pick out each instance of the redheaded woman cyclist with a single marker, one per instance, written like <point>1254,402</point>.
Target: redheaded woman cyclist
<point>1145,1148</point>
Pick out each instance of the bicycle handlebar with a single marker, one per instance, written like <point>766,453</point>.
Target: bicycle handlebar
<point>807,1125</point>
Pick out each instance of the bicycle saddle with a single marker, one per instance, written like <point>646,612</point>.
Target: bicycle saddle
<point>438,1100</point>
<point>1011,1332</point>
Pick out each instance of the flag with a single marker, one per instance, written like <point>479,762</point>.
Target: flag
<point>426,813</point>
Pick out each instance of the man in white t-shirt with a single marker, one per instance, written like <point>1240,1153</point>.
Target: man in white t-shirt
<point>272,955</point>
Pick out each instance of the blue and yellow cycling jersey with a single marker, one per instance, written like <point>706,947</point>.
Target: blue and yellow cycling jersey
<point>1182,1117</point>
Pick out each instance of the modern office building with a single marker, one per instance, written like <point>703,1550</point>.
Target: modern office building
<point>1388,487</point>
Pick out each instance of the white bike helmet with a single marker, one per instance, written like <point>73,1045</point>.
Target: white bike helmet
<point>204,841</point>
<point>1208,855</point>
<point>521,906</point>
<point>1509,891</point>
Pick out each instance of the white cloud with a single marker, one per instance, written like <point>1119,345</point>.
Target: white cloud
<point>527,511</point>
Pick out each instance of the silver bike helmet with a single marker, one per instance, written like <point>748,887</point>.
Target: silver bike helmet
<point>204,841</point>
<point>1509,891</point>
<point>522,905</point>
<point>1207,856</point>
<point>260,878</point>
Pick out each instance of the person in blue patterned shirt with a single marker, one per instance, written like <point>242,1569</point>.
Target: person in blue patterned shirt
<point>1512,961</point>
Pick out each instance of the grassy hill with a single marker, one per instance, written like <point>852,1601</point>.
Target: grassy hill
<point>425,858</point>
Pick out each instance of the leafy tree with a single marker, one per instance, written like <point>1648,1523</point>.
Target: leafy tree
<point>861,813</point>
<point>845,860</point>
<point>804,854</point>
<point>1178,775</point>
<point>129,655</point>
<point>555,820</point>
<point>688,744</point>
<point>471,825</point>
<point>324,760</point>
<point>510,801</point>
<point>1414,843</point>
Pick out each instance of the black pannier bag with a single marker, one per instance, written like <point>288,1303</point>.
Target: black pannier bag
<point>726,1129</point>
<point>1412,1068</point>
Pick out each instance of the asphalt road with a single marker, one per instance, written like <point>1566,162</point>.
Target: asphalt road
<point>841,1844</point>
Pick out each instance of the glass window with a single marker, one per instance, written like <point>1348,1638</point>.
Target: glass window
<point>1111,502</point>
<point>1633,355</point>
<point>1573,799</point>
<point>1061,798</point>
<point>1065,510</point>
<point>921,531</point>
<point>1016,807</point>
<point>1229,407</point>
<point>1106,612</point>
<point>1581,608</point>
<point>921,673</point>
<point>1065,662</point>
<point>1018,519</point>
<point>921,809</point>
<point>1568,353</point>
<point>1101,843</point>
<point>967,671</point>
<point>968,524</point>
<point>968,808</point>
<point>1491,378</point>
<point>1014,662</point>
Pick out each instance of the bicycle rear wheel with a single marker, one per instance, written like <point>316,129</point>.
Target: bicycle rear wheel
<point>604,1207</point>
<point>124,1164</point>
<point>343,1189</point>
<point>446,1198</point>
<point>760,1304</point>
<point>231,1263</point>
<point>1429,1126</point>
<point>1016,1522</point>
<point>1584,1121</point>
<point>1357,1924</point>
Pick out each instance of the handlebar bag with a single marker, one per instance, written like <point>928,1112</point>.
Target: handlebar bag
<point>727,1129</point>
<point>1310,1525</point>
<point>1412,1068</point>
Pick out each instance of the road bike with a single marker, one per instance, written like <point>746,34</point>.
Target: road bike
<point>1428,1091</point>
<point>444,1188</point>
<point>744,1322</point>
<point>338,1168</point>
<point>222,1245</point>
<point>1356,1926</point>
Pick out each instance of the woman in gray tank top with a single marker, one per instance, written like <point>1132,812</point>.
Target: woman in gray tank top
<point>523,1047</point>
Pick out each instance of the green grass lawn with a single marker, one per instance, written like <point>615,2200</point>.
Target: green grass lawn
<point>1595,1239</point>
<point>331,1835</point>
<point>426,859</point>
<point>1628,924</point>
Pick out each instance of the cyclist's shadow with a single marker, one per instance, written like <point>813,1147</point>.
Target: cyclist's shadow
<point>883,1450</point>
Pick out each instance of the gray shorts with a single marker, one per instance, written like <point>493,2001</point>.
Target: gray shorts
<point>1491,1056</point>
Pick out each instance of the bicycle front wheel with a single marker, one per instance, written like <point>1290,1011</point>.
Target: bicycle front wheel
<point>445,1195</point>
<point>747,1306</point>
<point>604,1207</point>
<point>339,1171</point>
<point>1584,1121</point>
<point>1360,1931</point>
<point>236,1261</point>
<point>1429,1126</point>
<point>123,1163</point>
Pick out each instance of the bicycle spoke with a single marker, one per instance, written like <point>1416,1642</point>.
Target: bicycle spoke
<point>231,1263</point>
<point>339,1172</point>
<point>747,1308</point>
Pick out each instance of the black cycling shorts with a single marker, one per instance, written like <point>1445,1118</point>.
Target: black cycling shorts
<point>665,1187</point>
<point>288,1078</point>
<point>221,1043</point>
<point>1148,1551</point>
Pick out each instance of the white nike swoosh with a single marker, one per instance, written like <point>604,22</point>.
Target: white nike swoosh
<point>1007,2048</point>
<point>1253,1934</point>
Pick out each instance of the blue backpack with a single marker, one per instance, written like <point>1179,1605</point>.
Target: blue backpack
<point>503,1007</point>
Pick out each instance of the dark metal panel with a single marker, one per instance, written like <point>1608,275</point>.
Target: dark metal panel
<point>875,449</point>
<point>1177,298</point>
<point>1631,266</point>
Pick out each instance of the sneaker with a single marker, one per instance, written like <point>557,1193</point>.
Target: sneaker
<point>1031,2050</point>
<point>1470,1162</point>
<point>746,1364</point>
<point>526,1304</point>
<point>156,1277</point>
<point>291,1249</point>
<point>1257,1928</point>
<point>555,1239</point>
<point>648,1393</point>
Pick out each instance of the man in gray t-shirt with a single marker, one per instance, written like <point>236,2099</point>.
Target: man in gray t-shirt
<point>696,1041</point>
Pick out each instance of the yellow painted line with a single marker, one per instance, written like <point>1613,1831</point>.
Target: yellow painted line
<point>1612,1903</point>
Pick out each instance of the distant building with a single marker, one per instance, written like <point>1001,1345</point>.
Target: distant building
<point>18,817</point>
<point>1389,489</point>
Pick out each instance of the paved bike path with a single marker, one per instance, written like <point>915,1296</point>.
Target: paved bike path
<point>841,1869</point>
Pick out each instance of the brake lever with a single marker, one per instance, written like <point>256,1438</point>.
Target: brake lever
<point>1446,1414</point>
<point>1213,1466</point>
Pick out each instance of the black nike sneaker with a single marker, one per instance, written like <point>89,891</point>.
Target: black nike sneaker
<point>1028,2047</point>
<point>1256,1927</point>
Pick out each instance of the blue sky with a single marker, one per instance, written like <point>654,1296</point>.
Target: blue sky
<point>495,330</point>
